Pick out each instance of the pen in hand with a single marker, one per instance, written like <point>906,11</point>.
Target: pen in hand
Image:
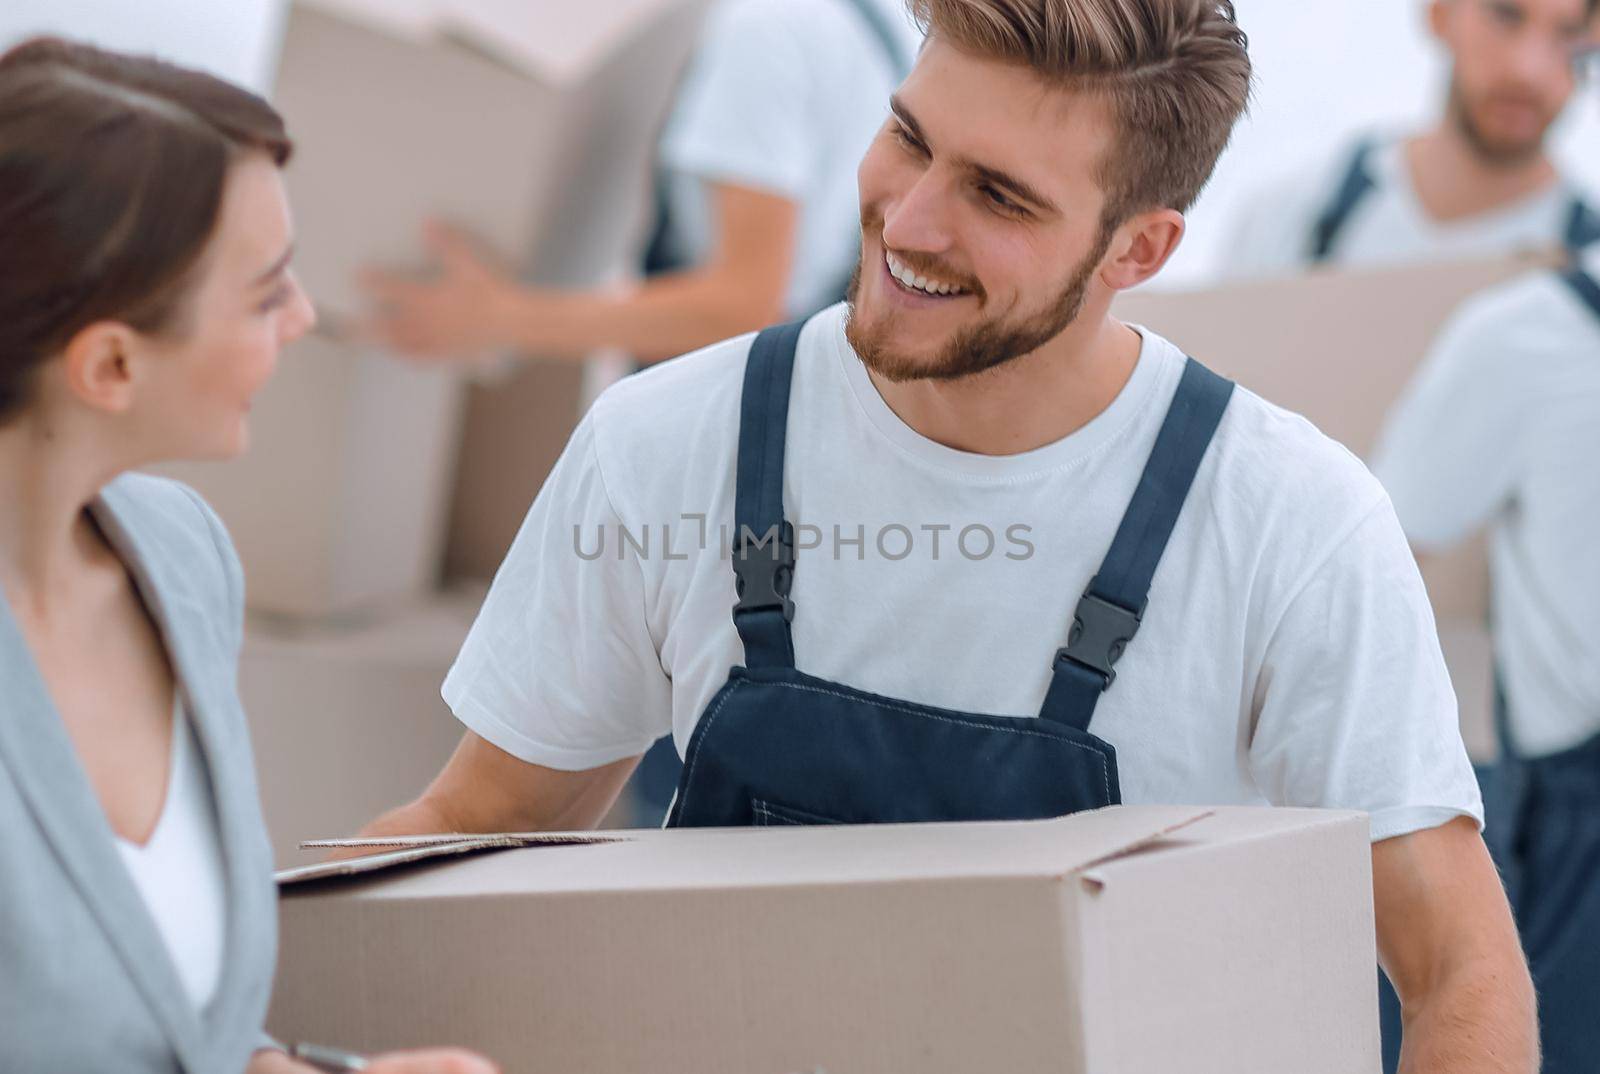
<point>330,1060</point>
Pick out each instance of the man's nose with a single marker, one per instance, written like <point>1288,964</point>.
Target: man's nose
<point>919,220</point>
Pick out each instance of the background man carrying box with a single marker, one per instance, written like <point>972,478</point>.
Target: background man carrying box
<point>1480,183</point>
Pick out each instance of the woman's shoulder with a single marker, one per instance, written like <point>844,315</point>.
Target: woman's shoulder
<point>168,519</point>
<point>161,503</point>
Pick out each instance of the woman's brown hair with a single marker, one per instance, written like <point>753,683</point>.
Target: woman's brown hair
<point>112,169</point>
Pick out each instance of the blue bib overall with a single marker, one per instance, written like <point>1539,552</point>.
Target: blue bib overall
<point>1580,228</point>
<point>1542,826</point>
<point>778,746</point>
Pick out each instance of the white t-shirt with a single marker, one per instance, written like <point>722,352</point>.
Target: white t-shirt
<point>785,96</point>
<point>1501,427</point>
<point>179,871</point>
<point>1272,235</point>
<point>1288,655</point>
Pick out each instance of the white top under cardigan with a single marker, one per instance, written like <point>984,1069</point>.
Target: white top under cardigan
<point>179,869</point>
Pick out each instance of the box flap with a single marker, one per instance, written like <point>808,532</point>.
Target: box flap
<point>1235,825</point>
<point>413,849</point>
<point>729,858</point>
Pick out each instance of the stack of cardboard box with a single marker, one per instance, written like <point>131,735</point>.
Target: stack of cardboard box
<point>533,124</point>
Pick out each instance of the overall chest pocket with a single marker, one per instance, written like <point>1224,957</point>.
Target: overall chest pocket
<point>765,814</point>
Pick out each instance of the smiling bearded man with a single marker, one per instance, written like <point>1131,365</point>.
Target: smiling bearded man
<point>1210,602</point>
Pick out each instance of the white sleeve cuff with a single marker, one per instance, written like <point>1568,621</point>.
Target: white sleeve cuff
<point>1404,820</point>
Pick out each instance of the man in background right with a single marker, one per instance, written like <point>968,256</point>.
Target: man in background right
<point>1501,429</point>
<point>1478,184</point>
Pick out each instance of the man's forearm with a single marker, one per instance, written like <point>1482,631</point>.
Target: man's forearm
<point>1447,939</point>
<point>1478,1019</point>
<point>484,789</point>
<point>421,817</point>
<point>663,318</point>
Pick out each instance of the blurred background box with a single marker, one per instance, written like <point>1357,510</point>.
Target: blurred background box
<point>531,123</point>
<point>349,723</point>
<point>1339,347</point>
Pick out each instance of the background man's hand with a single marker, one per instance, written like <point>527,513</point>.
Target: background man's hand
<point>469,307</point>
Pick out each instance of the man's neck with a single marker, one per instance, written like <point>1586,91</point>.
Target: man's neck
<point>1453,180</point>
<point>1027,403</point>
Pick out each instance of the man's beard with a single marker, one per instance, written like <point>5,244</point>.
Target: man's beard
<point>981,347</point>
<point>1493,152</point>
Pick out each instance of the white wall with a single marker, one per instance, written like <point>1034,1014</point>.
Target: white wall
<point>1323,73</point>
<point>236,39</point>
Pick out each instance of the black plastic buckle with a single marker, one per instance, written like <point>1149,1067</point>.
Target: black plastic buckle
<point>763,570</point>
<point>1101,631</point>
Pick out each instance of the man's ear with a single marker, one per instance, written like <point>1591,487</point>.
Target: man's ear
<point>1439,19</point>
<point>1141,246</point>
<point>98,366</point>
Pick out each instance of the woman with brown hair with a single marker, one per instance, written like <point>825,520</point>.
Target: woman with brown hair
<point>145,293</point>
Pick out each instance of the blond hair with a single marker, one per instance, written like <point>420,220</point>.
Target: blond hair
<point>1175,73</point>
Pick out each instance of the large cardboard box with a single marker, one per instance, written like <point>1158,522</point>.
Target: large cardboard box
<point>1339,347</point>
<point>531,124</point>
<point>1135,940</point>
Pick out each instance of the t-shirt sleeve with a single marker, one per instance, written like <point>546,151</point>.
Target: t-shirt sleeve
<point>1449,454</point>
<point>743,113</point>
<point>560,668</point>
<point>1354,707</point>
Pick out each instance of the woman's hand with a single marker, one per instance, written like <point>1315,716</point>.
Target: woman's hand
<point>430,1061</point>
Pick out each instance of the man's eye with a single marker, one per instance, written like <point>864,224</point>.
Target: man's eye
<point>1508,17</point>
<point>903,136</point>
<point>998,200</point>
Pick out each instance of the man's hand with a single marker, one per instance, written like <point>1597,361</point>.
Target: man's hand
<point>474,306</point>
<point>485,789</point>
<point>1448,942</point>
<point>432,1061</point>
<point>470,308</point>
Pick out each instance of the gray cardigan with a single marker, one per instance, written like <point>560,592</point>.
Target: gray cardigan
<point>86,983</point>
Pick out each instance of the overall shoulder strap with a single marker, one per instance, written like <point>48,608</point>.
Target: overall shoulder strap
<point>1585,286</point>
<point>1583,226</point>
<point>1108,616</point>
<point>1353,190</point>
<point>884,35</point>
<point>763,540</point>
